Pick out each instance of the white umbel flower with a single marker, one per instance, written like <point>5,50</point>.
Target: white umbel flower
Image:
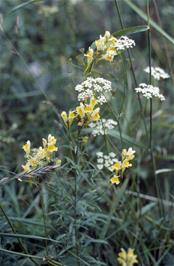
<point>106,161</point>
<point>149,91</point>
<point>157,72</point>
<point>98,87</point>
<point>102,126</point>
<point>124,43</point>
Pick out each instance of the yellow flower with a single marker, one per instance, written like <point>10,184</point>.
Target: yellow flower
<point>120,166</point>
<point>128,154</point>
<point>86,112</point>
<point>126,164</point>
<point>49,145</point>
<point>115,180</point>
<point>41,156</point>
<point>117,166</point>
<point>112,41</point>
<point>80,110</point>
<point>26,147</point>
<point>26,167</point>
<point>109,55</point>
<point>68,118</point>
<point>95,115</point>
<point>100,44</point>
<point>89,55</point>
<point>127,258</point>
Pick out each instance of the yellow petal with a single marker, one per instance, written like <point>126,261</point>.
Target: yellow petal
<point>64,116</point>
<point>117,166</point>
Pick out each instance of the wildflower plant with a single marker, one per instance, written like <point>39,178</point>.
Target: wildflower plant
<point>89,208</point>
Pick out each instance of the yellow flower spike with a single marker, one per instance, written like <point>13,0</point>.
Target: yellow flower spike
<point>127,258</point>
<point>27,147</point>
<point>68,118</point>
<point>89,55</point>
<point>41,156</point>
<point>115,180</point>
<point>51,144</point>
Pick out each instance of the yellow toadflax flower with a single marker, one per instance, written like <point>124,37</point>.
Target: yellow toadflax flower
<point>26,147</point>
<point>42,156</point>
<point>120,166</point>
<point>115,180</point>
<point>105,49</point>
<point>127,258</point>
<point>49,145</point>
<point>89,55</point>
<point>86,113</point>
<point>68,118</point>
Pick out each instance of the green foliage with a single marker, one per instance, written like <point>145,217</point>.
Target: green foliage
<point>74,216</point>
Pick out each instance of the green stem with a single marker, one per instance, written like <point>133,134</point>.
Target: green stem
<point>76,200</point>
<point>44,220</point>
<point>132,70</point>
<point>151,112</point>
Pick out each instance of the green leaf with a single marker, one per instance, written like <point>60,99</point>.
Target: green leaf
<point>148,208</point>
<point>24,5</point>
<point>131,30</point>
<point>151,22</point>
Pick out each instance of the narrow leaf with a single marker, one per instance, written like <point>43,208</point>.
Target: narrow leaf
<point>24,5</point>
<point>131,30</point>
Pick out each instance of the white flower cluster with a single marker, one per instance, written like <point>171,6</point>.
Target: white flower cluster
<point>149,91</point>
<point>97,87</point>
<point>157,72</point>
<point>102,126</point>
<point>124,43</point>
<point>106,160</point>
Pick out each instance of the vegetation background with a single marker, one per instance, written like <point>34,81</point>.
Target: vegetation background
<point>42,43</point>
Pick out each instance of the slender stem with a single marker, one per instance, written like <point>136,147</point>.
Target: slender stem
<point>76,200</point>
<point>151,112</point>
<point>132,70</point>
<point>44,220</point>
